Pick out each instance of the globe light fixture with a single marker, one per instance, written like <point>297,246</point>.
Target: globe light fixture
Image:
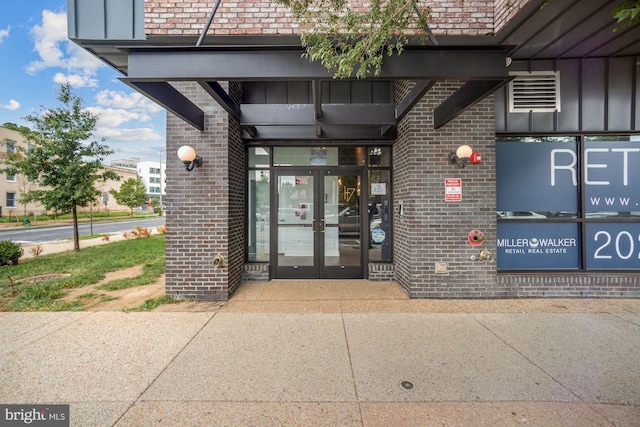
<point>189,157</point>
<point>463,156</point>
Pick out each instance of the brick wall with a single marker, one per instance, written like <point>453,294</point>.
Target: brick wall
<point>237,192</point>
<point>199,205</point>
<point>433,230</point>
<point>175,17</point>
<point>505,10</point>
<point>572,285</point>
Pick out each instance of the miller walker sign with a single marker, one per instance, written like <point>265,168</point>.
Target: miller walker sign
<point>543,181</point>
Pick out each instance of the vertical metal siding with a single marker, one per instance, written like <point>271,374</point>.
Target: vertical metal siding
<point>597,95</point>
<point>105,19</point>
<point>593,95</point>
<point>569,115</point>
<point>619,94</point>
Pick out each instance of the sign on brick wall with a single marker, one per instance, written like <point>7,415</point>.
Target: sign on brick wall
<point>453,189</point>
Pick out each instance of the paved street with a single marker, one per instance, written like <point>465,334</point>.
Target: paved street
<point>45,234</point>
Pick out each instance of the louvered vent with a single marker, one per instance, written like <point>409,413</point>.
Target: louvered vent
<point>537,91</point>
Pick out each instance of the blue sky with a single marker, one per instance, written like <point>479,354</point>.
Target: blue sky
<point>36,57</point>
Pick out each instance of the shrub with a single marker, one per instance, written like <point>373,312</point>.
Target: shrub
<point>10,252</point>
<point>141,232</point>
<point>36,250</point>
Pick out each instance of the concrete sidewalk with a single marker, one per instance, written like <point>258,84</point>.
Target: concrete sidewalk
<point>349,353</point>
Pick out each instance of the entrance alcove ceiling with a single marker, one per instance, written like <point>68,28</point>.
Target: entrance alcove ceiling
<point>542,30</point>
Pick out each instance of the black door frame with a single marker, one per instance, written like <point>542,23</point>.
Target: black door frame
<point>318,226</point>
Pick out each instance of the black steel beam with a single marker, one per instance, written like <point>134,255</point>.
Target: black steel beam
<point>308,133</point>
<point>413,97</point>
<point>170,99</point>
<point>303,114</point>
<point>464,98</point>
<point>316,87</point>
<point>222,97</point>
<point>222,64</point>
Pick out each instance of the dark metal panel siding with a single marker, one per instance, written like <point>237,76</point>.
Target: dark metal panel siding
<point>90,19</point>
<point>381,92</point>
<point>596,94</point>
<point>593,95</point>
<point>620,94</point>
<point>332,92</point>
<point>339,93</point>
<point>543,122</point>
<point>519,122</point>
<point>277,93</point>
<point>298,93</point>
<point>119,22</point>
<point>569,115</point>
<point>361,92</point>
<point>636,99</point>
<point>501,109</point>
<point>254,92</point>
<point>105,19</point>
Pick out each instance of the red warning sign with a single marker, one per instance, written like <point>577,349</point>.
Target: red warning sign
<point>453,189</point>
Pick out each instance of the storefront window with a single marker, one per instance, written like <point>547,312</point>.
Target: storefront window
<point>372,222</point>
<point>258,198</point>
<point>318,156</point>
<point>379,215</point>
<point>568,204</point>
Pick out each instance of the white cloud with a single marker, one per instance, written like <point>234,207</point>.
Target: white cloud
<point>12,105</point>
<point>127,135</point>
<point>110,121</point>
<point>117,108</point>
<point>4,33</point>
<point>56,51</point>
<point>111,117</point>
<point>76,80</point>
<point>132,101</point>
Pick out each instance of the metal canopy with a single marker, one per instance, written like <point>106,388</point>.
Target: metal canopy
<point>430,63</point>
<point>539,30</point>
<point>150,70</point>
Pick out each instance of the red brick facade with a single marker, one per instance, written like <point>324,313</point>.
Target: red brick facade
<point>449,17</point>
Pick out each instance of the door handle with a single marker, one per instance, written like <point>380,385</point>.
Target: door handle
<point>313,225</point>
<point>324,226</point>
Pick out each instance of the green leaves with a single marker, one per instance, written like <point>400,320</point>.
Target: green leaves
<point>627,13</point>
<point>60,158</point>
<point>353,42</point>
<point>132,193</point>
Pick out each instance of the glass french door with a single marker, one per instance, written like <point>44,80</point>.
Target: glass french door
<point>318,232</point>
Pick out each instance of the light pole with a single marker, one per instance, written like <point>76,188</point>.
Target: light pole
<point>161,209</point>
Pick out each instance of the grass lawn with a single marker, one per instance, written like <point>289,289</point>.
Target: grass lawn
<point>58,273</point>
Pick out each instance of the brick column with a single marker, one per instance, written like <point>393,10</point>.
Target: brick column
<point>204,215</point>
<point>433,230</point>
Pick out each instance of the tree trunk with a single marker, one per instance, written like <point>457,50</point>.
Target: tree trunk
<point>76,236</point>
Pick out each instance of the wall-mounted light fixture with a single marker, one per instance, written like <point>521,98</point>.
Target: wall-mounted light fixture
<point>189,157</point>
<point>463,156</point>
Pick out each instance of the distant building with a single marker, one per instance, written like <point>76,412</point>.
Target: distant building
<point>152,175</point>
<point>131,163</point>
<point>13,186</point>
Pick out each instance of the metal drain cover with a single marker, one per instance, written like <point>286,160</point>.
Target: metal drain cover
<point>407,385</point>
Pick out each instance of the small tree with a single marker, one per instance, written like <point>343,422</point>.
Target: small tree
<point>132,194</point>
<point>60,159</point>
<point>353,41</point>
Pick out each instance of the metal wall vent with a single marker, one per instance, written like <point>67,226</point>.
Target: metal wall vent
<point>536,91</point>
